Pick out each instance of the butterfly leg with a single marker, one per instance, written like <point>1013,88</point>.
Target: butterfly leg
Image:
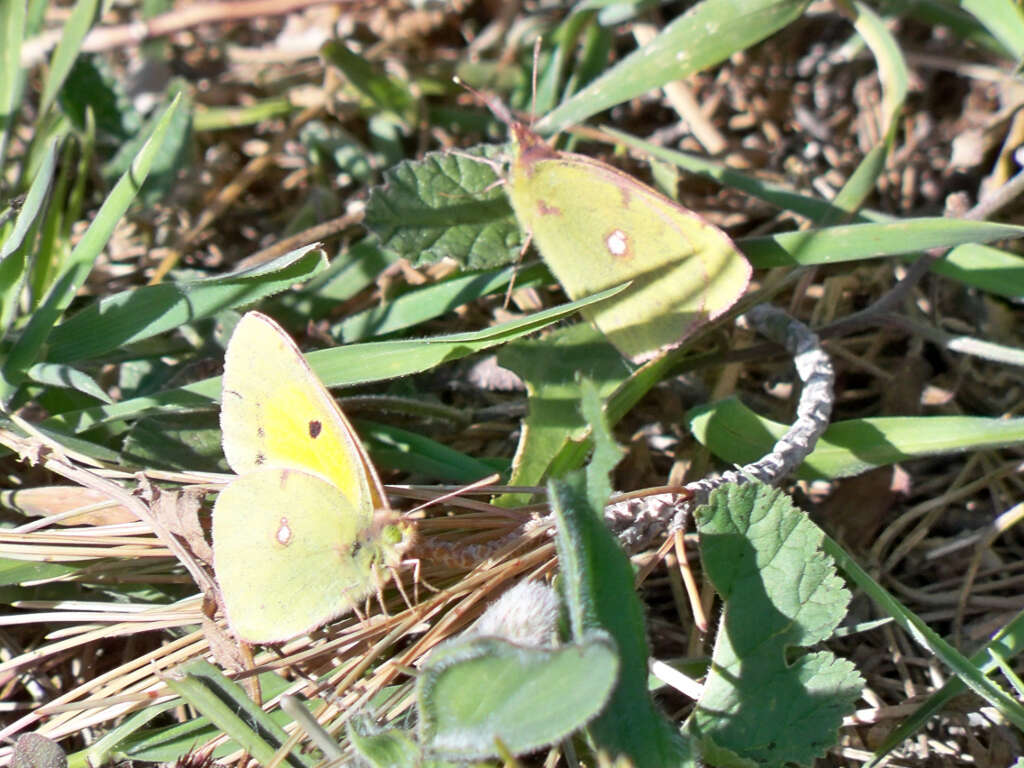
<point>519,260</point>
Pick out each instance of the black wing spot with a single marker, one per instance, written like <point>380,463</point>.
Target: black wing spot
<point>260,433</point>
<point>315,428</point>
<point>260,458</point>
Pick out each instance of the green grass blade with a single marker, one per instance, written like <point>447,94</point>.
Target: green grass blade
<point>337,367</point>
<point>12,77</point>
<point>225,702</point>
<point>140,313</point>
<point>737,435</point>
<point>597,586</point>
<point>850,242</point>
<point>29,348</point>
<point>1003,19</point>
<point>707,34</point>
<point>969,673</point>
<point>12,250</point>
<point>1008,641</point>
<point>892,71</point>
<point>75,29</point>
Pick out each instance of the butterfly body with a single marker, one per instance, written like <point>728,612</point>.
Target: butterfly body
<point>302,535</point>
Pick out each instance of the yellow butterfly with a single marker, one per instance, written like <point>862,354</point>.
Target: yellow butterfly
<point>301,535</point>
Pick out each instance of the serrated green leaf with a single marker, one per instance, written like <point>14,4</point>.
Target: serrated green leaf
<point>474,692</point>
<point>446,205</point>
<point>781,592</point>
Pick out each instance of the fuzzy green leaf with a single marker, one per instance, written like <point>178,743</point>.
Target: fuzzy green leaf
<point>781,594</point>
<point>390,748</point>
<point>475,692</point>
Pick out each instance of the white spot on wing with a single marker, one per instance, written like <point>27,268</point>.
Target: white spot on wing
<point>616,243</point>
<point>284,533</point>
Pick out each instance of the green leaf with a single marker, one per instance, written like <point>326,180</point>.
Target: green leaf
<point>377,87</point>
<point>71,36</point>
<point>737,435</point>
<point>166,744</point>
<point>971,674</point>
<point>597,585</point>
<point>340,366</point>
<point>400,449</point>
<point>170,157</point>
<point>433,300</point>
<point>29,347</point>
<point>474,693</point>
<point>141,313</point>
<point>1007,642</point>
<point>984,267</point>
<point>13,249</point>
<point>551,368</point>
<point>64,376</point>
<point>1003,19</point>
<point>708,33</point>
<point>833,245</point>
<point>228,706</point>
<point>93,86</point>
<point>446,205</point>
<point>16,572</point>
<point>389,748</point>
<point>892,71</point>
<point>182,441</point>
<point>12,76</point>
<point>781,592</point>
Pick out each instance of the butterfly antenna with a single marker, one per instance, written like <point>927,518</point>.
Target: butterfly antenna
<point>533,79</point>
